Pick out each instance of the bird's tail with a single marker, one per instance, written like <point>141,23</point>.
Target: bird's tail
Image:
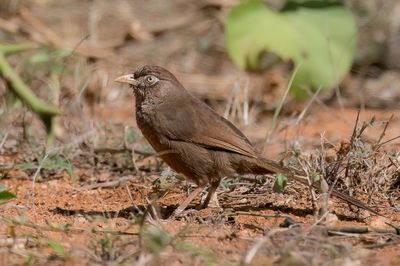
<point>263,166</point>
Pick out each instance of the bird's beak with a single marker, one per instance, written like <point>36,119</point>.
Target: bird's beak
<point>130,79</point>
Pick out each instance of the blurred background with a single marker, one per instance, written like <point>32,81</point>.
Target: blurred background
<point>237,56</point>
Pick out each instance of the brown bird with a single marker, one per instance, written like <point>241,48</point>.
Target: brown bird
<point>192,138</point>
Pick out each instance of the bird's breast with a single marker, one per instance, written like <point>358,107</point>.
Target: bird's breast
<point>147,122</point>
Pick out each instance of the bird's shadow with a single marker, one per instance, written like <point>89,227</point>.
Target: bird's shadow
<point>162,212</point>
<point>165,212</point>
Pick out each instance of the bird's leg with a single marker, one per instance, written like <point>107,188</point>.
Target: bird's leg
<point>211,192</point>
<point>189,199</point>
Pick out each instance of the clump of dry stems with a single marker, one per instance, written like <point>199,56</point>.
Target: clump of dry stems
<point>359,165</point>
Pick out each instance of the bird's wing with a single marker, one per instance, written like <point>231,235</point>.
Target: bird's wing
<point>229,142</point>
<point>199,124</point>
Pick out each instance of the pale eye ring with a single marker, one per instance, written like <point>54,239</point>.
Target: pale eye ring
<point>150,79</point>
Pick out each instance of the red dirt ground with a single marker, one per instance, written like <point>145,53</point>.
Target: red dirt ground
<point>228,235</point>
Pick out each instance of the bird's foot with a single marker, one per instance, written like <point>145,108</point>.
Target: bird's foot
<point>214,202</point>
<point>183,213</point>
<point>189,199</point>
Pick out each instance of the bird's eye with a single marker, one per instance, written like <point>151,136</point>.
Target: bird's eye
<point>150,79</point>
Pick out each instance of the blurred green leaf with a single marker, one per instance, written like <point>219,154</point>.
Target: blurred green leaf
<point>290,4</point>
<point>21,219</point>
<point>47,54</point>
<point>40,57</point>
<point>5,195</point>
<point>315,177</point>
<point>156,239</point>
<point>63,52</point>
<point>57,247</point>
<point>280,183</point>
<point>206,255</point>
<point>27,166</point>
<point>132,135</point>
<point>53,162</point>
<point>47,62</point>
<point>321,40</point>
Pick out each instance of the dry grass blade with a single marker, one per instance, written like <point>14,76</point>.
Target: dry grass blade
<point>279,108</point>
<point>358,165</point>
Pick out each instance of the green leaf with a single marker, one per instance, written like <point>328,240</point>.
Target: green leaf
<point>156,239</point>
<point>40,57</point>
<point>21,219</point>
<point>280,183</point>
<point>206,255</point>
<point>57,162</point>
<point>292,4</point>
<point>63,52</point>
<point>27,166</point>
<point>132,135</point>
<point>5,195</point>
<point>321,40</point>
<point>315,177</point>
<point>57,247</point>
<point>52,162</point>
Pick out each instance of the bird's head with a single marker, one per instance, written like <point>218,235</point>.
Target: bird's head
<point>149,80</point>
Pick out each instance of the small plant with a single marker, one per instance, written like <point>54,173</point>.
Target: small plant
<point>206,255</point>
<point>358,165</point>
<point>280,183</point>
<point>166,180</point>
<point>109,250</point>
<point>5,195</point>
<point>58,248</point>
<point>51,162</point>
<point>48,60</point>
<point>155,239</point>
